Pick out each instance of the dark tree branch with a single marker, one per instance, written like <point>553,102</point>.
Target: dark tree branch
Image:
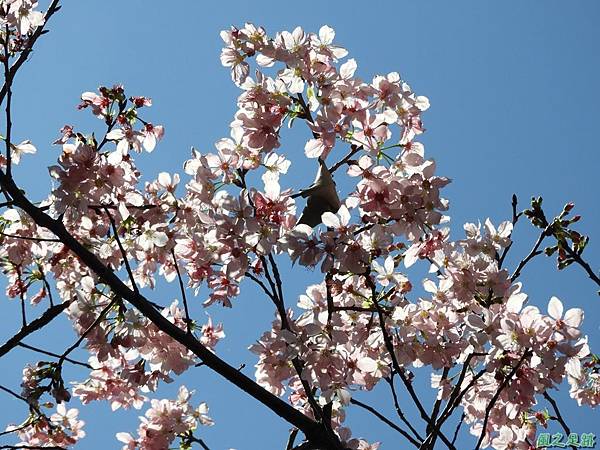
<point>291,439</point>
<point>277,291</point>
<point>34,325</point>
<point>21,296</point>
<point>46,284</point>
<point>262,285</point>
<point>456,394</point>
<point>330,305</point>
<point>31,447</point>
<point>199,441</point>
<point>14,430</point>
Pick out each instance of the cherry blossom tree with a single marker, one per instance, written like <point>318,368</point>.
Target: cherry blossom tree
<point>96,246</point>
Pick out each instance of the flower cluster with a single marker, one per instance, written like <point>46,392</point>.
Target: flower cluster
<point>20,15</point>
<point>165,421</point>
<point>62,429</point>
<point>135,356</point>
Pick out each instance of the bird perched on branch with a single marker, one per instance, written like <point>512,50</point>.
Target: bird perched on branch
<point>321,197</point>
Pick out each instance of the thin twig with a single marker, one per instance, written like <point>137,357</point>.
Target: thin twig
<point>8,79</point>
<point>386,421</point>
<point>451,406</point>
<point>55,355</point>
<point>30,447</point>
<point>89,329</point>
<point>277,291</point>
<point>515,218</point>
<point>122,249</point>
<point>14,430</point>
<point>579,260</point>
<point>21,296</point>
<point>401,415</point>
<point>34,325</point>
<point>533,253</point>
<point>436,410</point>
<point>399,370</point>
<point>46,284</point>
<point>278,281</point>
<point>559,416</point>
<point>330,305</point>
<point>28,238</point>
<point>13,393</point>
<point>354,149</point>
<point>492,402</point>
<point>99,208</point>
<point>182,288</point>
<point>458,425</point>
<point>455,396</point>
<point>261,284</point>
<point>306,110</point>
<point>355,309</point>
<point>199,441</point>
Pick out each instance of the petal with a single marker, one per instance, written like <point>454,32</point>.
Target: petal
<point>574,317</point>
<point>347,69</point>
<point>164,179</point>
<point>160,239</point>
<point>555,308</point>
<point>326,34</point>
<point>330,220</point>
<point>124,437</point>
<point>367,365</point>
<point>422,103</point>
<point>474,321</point>
<point>505,229</point>
<point>377,267</point>
<point>26,147</point>
<point>429,286</point>
<point>344,215</point>
<point>515,302</point>
<point>116,134</point>
<point>314,148</point>
<point>389,264</point>
<point>149,142</point>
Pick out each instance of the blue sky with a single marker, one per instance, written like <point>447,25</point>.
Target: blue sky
<point>515,104</point>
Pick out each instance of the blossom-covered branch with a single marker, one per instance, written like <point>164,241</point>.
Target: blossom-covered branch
<point>105,236</point>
